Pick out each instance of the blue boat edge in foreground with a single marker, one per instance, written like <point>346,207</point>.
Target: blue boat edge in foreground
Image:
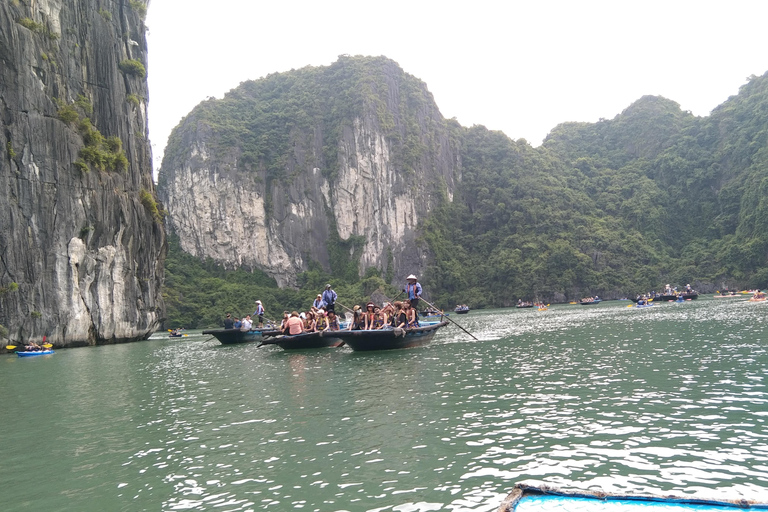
<point>523,491</point>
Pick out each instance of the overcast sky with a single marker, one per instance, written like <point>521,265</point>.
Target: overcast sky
<point>521,67</point>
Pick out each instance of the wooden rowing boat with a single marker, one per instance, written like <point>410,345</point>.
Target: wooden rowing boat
<point>388,339</point>
<point>320,339</point>
<point>234,336</point>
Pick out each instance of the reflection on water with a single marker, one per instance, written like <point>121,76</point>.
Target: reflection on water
<point>669,399</point>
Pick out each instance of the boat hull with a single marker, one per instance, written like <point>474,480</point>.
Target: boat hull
<point>389,339</point>
<point>32,354</point>
<point>325,339</point>
<point>461,311</point>
<point>235,336</point>
<point>530,498</point>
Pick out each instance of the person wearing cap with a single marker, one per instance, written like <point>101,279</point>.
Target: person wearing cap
<point>358,319</point>
<point>228,322</point>
<point>370,316</point>
<point>259,313</point>
<point>413,291</point>
<point>329,297</point>
<point>318,303</point>
<point>321,323</point>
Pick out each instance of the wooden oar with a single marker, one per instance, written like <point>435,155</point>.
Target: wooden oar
<point>345,307</point>
<point>449,319</point>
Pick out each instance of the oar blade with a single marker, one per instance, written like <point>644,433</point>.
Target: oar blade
<point>10,347</point>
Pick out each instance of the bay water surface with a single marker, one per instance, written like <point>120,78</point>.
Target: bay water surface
<point>666,400</point>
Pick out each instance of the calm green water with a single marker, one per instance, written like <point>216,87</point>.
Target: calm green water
<point>667,399</point>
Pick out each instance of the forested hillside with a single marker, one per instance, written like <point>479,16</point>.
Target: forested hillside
<point>613,208</point>
<point>653,196</point>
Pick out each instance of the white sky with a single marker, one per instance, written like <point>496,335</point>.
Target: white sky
<point>521,67</point>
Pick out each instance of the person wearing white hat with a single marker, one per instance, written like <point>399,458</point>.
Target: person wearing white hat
<point>413,291</point>
<point>259,313</point>
<point>318,303</point>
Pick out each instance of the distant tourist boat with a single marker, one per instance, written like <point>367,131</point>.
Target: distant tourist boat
<point>525,498</point>
<point>432,313</point>
<point>388,339</point>
<point>234,336</point>
<point>589,301</point>
<point>461,310</point>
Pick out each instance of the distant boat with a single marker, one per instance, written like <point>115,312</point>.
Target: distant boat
<point>590,302</point>
<point>34,353</point>
<point>535,499</point>
<point>461,310</point>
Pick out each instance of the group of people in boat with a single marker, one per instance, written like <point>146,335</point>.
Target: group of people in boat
<point>314,320</point>
<point>322,314</point>
<point>245,323</point>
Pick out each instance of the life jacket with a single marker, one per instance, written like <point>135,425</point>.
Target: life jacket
<point>321,323</point>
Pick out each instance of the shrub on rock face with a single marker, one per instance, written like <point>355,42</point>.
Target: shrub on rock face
<point>133,67</point>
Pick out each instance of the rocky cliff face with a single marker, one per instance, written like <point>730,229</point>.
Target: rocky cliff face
<point>81,246</point>
<point>312,165</point>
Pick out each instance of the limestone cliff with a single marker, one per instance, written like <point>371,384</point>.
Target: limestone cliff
<point>81,239</point>
<point>316,164</point>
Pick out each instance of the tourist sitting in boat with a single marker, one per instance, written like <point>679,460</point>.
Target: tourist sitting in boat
<point>759,295</point>
<point>309,321</point>
<point>321,322</point>
<point>378,319</point>
<point>246,324</point>
<point>333,321</point>
<point>369,315</point>
<point>293,325</point>
<point>318,303</point>
<point>237,324</point>
<point>228,322</point>
<point>32,347</point>
<point>358,319</point>
<point>284,321</point>
<point>407,317</point>
<point>386,313</point>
